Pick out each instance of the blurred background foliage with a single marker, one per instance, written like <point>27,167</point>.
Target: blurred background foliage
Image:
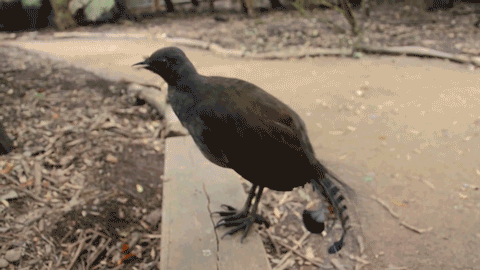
<point>29,15</point>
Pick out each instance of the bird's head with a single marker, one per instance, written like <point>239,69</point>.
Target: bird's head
<point>170,63</point>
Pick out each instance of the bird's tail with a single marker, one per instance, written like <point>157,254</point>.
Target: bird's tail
<point>331,192</point>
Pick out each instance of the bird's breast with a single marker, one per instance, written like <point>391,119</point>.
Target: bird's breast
<point>185,108</point>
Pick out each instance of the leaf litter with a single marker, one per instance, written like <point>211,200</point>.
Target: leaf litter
<point>66,189</point>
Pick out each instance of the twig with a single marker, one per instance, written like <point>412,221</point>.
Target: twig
<point>152,236</point>
<point>396,268</point>
<point>356,258</point>
<point>360,244</point>
<point>428,183</point>
<point>31,194</point>
<point>417,230</point>
<point>38,176</point>
<point>314,262</point>
<point>101,247</point>
<point>77,253</point>
<point>336,263</point>
<point>297,244</point>
<point>9,178</point>
<point>380,201</point>
<point>274,242</point>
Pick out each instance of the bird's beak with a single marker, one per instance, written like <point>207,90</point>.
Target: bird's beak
<point>143,64</point>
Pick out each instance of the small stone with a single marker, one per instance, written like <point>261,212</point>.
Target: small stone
<point>13,255</point>
<point>111,158</point>
<point>3,263</point>
<point>10,91</point>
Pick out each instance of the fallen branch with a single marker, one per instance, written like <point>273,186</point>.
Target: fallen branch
<point>418,51</point>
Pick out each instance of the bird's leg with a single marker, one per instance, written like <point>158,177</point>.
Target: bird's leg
<point>243,219</point>
<point>231,211</point>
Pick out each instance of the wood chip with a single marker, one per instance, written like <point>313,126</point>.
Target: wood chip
<point>111,158</point>
<point>277,213</point>
<point>428,183</point>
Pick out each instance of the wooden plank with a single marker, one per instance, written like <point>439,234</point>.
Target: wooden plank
<point>193,188</point>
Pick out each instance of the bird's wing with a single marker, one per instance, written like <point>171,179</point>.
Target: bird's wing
<point>245,119</point>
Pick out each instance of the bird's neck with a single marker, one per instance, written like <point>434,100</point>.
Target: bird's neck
<point>188,80</point>
<point>183,75</point>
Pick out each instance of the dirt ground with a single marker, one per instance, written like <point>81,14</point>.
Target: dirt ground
<point>82,190</point>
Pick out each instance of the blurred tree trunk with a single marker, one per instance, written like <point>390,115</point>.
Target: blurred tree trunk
<point>63,19</point>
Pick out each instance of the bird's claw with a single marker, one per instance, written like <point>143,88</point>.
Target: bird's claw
<point>245,226</point>
<point>230,211</point>
<point>240,220</point>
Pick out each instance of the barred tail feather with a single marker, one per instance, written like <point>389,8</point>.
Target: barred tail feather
<point>330,192</point>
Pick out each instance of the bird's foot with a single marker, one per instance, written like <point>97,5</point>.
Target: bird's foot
<point>239,220</point>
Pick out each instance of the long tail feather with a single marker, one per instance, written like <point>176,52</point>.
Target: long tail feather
<point>330,192</point>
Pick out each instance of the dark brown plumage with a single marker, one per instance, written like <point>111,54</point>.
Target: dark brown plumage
<point>238,125</point>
